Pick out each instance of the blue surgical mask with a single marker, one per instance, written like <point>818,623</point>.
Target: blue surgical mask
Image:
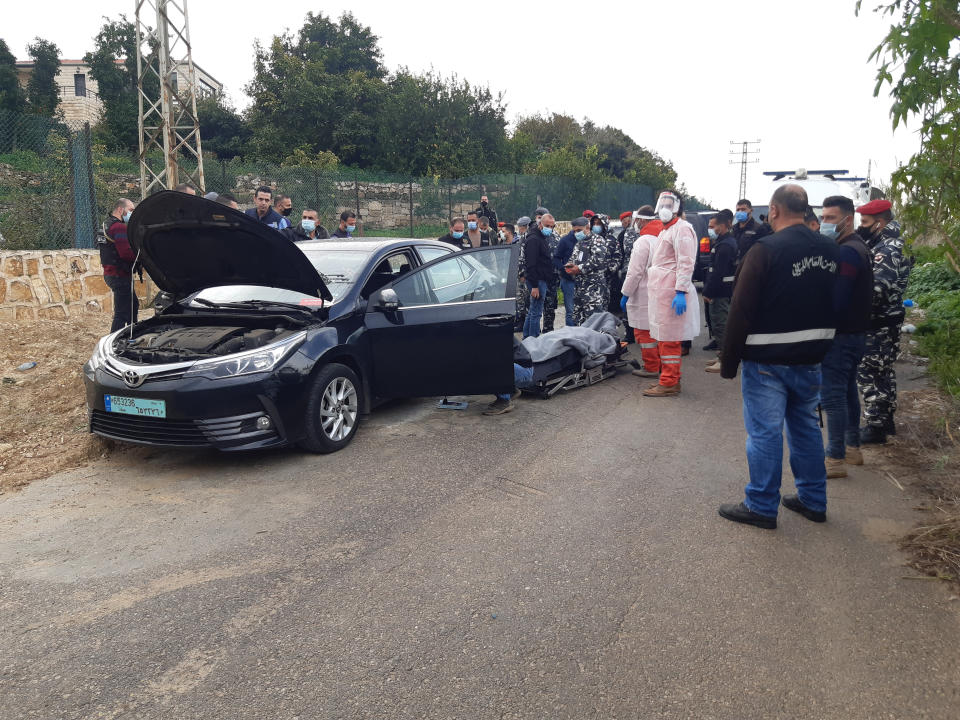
<point>351,228</point>
<point>829,230</point>
<point>471,225</point>
<point>741,216</point>
<point>579,235</point>
<point>596,229</point>
<point>308,226</point>
<point>457,234</point>
<point>126,216</point>
<point>547,231</point>
<point>712,233</point>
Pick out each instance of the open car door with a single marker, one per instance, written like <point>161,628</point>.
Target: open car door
<point>447,327</point>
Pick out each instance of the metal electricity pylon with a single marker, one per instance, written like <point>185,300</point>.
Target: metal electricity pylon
<point>167,89</point>
<point>746,158</point>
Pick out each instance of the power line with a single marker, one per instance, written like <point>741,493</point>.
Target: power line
<point>748,156</point>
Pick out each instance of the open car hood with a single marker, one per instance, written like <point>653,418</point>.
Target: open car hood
<point>188,244</point>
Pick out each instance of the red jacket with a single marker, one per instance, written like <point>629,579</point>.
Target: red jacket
<point>119,263</point>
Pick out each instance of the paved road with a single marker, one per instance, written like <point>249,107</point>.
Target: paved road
<point>437,568</point>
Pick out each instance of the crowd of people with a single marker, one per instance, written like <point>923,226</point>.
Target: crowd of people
<point>807,309</point>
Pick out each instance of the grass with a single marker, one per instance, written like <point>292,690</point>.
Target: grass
<point>935,287</point>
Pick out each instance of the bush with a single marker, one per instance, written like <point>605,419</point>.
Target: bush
<point>935,287</point>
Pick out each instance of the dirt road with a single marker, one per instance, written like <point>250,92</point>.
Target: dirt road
<point>562,561</point>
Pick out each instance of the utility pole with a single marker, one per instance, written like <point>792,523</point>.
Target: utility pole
<point>747,157</point>
<point>167,88</point>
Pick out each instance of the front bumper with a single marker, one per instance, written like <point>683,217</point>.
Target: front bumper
<point>225,414</point>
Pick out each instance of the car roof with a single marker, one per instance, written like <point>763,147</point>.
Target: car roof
<point>369,245</point>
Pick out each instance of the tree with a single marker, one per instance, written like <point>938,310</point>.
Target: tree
<point>223,130</point>
<point>113,64</point>
<point>581,173</point>
<point>321,89</point>
<point>12,96</point>
<point>440,127</point>
<point>550,133</point>
<point>922,44</point>
<point>42,91</point>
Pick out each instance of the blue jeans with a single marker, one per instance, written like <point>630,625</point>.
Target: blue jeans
<point>521,376</point>
<point>569,288</point>
<point>839,396</point>
<point>531,325</point>
<point>772,395</point>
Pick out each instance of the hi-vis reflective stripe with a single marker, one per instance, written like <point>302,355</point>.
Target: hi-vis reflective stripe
<point>648,345</point>
<point>791,337</point>
<point>669,362</point>
<point>670,357</point>
<point>729,278</point>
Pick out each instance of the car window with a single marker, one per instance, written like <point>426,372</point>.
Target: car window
<point>389,269</point>
<point>460,278</point>
<point>429,254</point>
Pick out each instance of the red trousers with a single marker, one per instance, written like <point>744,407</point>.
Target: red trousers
<point>648,350</point>
<point>670,354</point>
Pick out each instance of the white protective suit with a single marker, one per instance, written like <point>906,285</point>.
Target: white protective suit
<point>671,269</point>
<point>635,283</point>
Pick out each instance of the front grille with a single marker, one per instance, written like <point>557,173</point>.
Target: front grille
<point>219,432</point>
<point>161,431</point>
<point>175,374</point>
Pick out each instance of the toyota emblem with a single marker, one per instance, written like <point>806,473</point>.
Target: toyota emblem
<point>132,379</point>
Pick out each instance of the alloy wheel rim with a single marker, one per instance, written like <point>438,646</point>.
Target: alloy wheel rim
<point>338,409</point>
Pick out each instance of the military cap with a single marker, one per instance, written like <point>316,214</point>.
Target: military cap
<point>874,207</point>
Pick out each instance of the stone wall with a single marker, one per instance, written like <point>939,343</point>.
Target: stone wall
<point>55,284</point>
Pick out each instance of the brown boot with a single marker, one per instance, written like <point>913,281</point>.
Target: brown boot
<point>713,367</point>
<point>854,456</point>
<point>662,390</point>
<point>643,372</point>
<point>836,468</point>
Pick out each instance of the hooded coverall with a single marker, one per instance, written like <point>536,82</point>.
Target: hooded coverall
<point>635,288</point>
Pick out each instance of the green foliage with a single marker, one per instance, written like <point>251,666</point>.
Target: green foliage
<point>12,96</point>
<point>932,281</point>
<point>551,133</point>
<point>42,91</point>
<point>304,158</point>
<point>935,287</point>
<point>113,64</point>
<point>223,131</point>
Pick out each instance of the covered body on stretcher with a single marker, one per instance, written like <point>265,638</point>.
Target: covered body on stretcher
<point>571,357</point>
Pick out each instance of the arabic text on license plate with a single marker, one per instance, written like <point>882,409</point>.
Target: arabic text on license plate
<point>135,406</point>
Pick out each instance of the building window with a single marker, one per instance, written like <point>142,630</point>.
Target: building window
<point>80,85</point>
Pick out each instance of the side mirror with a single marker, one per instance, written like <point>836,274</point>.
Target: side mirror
<point>389,302</point>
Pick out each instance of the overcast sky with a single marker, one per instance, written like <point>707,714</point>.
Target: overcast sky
<point>683,78</point>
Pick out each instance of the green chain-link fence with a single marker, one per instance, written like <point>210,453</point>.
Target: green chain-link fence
<point>57,185</point>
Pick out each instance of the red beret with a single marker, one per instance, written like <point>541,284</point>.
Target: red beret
<point>626,214</point>
<point>588,213</point>
<point>501,223</point>
<point>874,207</point>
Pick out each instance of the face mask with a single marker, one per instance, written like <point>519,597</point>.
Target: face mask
<point>712,233</point>
<point>829,230</point>
<point>579,235</point>
<point>471,226</point>
<point>351,228</point>
<point>665,215</point>
<point>126,216</point>
<point>308,226</point>
<point>286,211</point>
<point>741,216</point>
<point>483,203</point>
<point>596,229</point>
<point>457,234</point>
<point>547,231</point>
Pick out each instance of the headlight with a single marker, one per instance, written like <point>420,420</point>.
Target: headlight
<point>246,363</point>
<point>99,356</point>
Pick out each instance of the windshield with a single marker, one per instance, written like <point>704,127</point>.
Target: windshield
<point>242,293</point>
<point>339,268</point>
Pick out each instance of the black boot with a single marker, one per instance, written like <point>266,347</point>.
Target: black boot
<point>872,435</point>
<point>889,427</point>
<point>712,345</point>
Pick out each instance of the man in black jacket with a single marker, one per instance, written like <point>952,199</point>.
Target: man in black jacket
<point>536,249</point>
<point>782,322</point>
<point>486,211</point>
<point>852,299</point>
<point>747,230</point>
<point>718,289</point>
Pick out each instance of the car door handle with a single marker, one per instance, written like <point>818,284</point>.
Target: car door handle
<point>494,320</point>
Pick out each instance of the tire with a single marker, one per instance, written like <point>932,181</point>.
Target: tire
<point>333,409</point>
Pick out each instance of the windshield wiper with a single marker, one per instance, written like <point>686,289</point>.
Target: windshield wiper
<point>336,277</point>
<point>256,304</point>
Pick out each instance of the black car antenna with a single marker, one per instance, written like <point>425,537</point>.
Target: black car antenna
<point>134,302</point>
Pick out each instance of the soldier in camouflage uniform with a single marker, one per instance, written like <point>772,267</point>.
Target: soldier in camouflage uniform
<point>593,260</point>
<point>625,240</point>
<point>553,284</point>
<point>876,377</point>
<point>523,297</point>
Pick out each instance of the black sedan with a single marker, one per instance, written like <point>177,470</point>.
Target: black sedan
<point>269,343</point>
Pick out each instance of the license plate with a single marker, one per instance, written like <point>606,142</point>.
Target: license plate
<point>135,406</point>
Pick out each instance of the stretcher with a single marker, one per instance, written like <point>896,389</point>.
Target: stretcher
<point>575,367</point>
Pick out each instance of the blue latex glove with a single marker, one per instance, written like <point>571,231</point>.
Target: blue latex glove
<point>679,303</point>
<point>623,302</point>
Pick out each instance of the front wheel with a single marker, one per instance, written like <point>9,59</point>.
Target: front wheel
<point>333,409</point>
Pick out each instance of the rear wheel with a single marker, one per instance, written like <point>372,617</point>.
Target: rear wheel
<point>333,409</point>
